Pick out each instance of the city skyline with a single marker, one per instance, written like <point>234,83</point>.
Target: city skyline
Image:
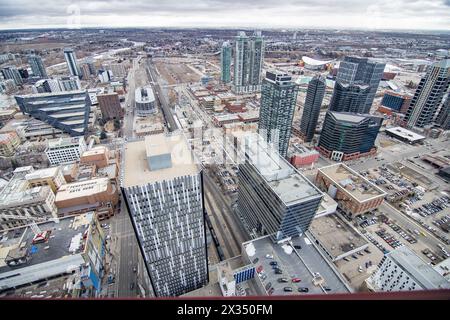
<point>351,14</point>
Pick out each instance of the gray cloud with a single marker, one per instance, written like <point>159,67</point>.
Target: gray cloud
<point>420,14</point>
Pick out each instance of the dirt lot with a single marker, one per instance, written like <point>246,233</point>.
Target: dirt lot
<point>176,72</point>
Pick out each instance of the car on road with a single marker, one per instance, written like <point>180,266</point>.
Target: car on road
<point>297,247</point>
<point>255,260</point>
<point>303,289</point>
<point>134,269</point>
<point>278,271</point>
<point>269,256</point>
<point>295,280</point>
<point>326,288</point>
<point>132,286</point>
<point>273,263</point>
<point>287,289</point>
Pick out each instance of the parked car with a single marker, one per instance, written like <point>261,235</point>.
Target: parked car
<point>281,280</point>
<point>303,289</point>
<point>296,280</point>
<point>287,289</point>
<point>278,271</point>
<point>273,263</point>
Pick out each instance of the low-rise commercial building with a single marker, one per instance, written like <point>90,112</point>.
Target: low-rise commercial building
<point>71,250</point>
<point>90,195</point>
<point>354,194</point>
<point>402,270</point>
<point>65,150</point>
<point>302,156</point>
<point>51,177</point>
<point>404,135</point>
<point>9,142</point>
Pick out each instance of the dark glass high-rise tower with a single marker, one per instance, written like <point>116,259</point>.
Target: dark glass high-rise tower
<point>363,71</point>
<point>225,62</point>
<point>349,97</point>
<point>278,100</point>
<point>311,109</point>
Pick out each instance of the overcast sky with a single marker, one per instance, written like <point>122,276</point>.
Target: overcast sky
<point>361,14</point>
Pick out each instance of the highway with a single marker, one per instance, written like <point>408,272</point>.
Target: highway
<point>161,97</point>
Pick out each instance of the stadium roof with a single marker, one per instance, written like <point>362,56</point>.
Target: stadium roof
<point>314,62</point>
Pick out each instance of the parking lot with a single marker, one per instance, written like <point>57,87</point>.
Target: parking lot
<point>303,264</point>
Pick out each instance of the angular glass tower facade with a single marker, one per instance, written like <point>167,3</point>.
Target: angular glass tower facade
<point>311,109</point>
<point>163,190</point>
<point>429,94</point>
<point>273,198</point>
<point>248,62</point>
<point>67,111</point>
<point>278,100</point>
<point>225,63</point>
<point>348,135</point>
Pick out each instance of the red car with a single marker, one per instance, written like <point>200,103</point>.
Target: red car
<point>259,269</point>
<point>296,280</point>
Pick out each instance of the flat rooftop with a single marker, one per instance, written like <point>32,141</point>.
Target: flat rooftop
<point>289,185</point>
<point>144,94</point>
<point>42,173</point>
<point>63,142</point>
<point>335,235</point>
<point>62,233</point>
<point>352,182</point>
<point>405,134</point>
<point>82,189</point>
<point>295,263</point>
<point>136,169</point>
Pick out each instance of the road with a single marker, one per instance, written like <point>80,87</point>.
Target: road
<point>127,251</point>
<point>161,97</point>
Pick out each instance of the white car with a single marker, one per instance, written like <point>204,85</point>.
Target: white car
<point>269,256</point>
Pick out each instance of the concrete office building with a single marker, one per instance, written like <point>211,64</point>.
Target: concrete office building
<point>428,96</point>
<point>11,72</point>
<point>402,270</point>
<point>67,111</point>
<point>225,62</point>
<point>347,136</point>
<point>7,86</point>
<point>278,100</point>
<point>65,150</point>
<point>163,190</point>
<point>46,85</point>
<point>71,61</point>
<point>354,194</point>
<point>145,101</point>
<point>349,97</point>
<point>109,104</point>
<point>51,177</point>
<point>356,69</point>
<point>248,62</point>
<point>37,66</point>
<point>274,198</point>
<point>69,83</point>
<point>311,108</point>
<point>21,204</point>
